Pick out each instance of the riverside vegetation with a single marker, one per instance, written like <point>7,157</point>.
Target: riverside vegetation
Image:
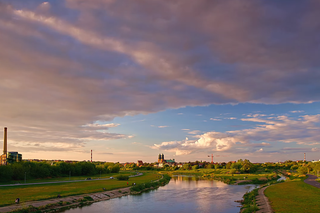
<point>240,172</point>
<point>137,189</point>
<point>48,191</point>
<point>143,184</point>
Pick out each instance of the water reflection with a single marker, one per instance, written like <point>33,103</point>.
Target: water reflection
<point>182,194</point>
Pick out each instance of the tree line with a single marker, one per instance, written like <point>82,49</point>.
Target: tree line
<point>34,170</point>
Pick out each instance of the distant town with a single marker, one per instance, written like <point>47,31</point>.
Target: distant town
<point>10,157</point>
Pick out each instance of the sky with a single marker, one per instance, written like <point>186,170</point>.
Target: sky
<point>130,79</point>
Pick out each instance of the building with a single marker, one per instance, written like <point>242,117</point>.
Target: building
<point>162,161</point>
<point>14,157</point>
<point>139,163</point>
<point>8,157</point>
<point>161,158</point>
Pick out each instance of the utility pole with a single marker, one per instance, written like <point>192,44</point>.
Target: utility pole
<point>69,175</point>
<point>25,177</point>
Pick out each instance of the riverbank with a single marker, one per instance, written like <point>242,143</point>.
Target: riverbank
<point>51,191</point>
<point>61,204</point>
<point>294,195</point>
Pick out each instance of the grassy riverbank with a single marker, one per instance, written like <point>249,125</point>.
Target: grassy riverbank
<point>294,196</point>
<point>228,176</point>
<point>47,191</point>
<point>137,189</point>
<point>249,202</point>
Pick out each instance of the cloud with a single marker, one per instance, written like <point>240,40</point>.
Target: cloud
<point>162,127</point>
<point>194,132</point>
<point>101,126</point>
<point>70,63</point>
<point>297,111</point>
<point>303,131</point>
<point>215,119</point>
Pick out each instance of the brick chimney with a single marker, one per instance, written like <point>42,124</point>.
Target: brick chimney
<point>5,149</point>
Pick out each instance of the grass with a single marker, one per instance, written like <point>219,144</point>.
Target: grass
<point>47,191</point>
<point>67,178</point>
<point>294,196</point>
<point>249,202</point>
<point>226,176</point>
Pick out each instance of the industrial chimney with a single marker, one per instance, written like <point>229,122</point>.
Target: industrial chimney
<point>5,149</point>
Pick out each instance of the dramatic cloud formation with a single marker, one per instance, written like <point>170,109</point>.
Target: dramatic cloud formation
<point>274,129</point>
<point>66,64</point>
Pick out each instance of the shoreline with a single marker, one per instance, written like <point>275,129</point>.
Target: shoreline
<point>73,201</point>
<point>57,204</point>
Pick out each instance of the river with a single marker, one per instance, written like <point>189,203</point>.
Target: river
<point>182,194</point>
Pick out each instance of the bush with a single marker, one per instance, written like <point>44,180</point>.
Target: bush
<point>122,177</point>
<point>148,185</point>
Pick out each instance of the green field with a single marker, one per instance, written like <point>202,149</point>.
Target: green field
<point>47,191</point>
<point>294,196</point>
<point>69,178</point>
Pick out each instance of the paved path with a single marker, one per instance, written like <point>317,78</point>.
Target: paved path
<point>263,202</point>
<point>311,180</point>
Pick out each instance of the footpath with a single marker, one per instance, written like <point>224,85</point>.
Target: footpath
<point>311,180</point>
<point>263,202</point>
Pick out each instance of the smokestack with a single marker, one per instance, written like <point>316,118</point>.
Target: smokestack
<point>5,141</point>
<point>91,155</point>
<point>304,157</point>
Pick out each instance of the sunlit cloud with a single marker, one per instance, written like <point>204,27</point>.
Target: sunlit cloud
<point>280,129</point>
<point>67,64</point>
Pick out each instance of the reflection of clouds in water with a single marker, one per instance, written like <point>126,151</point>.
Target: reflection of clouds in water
<point>203,192</point>
<point>196,182</point>
<point>182,194</point>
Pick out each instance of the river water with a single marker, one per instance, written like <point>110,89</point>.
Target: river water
<point>183,194</point>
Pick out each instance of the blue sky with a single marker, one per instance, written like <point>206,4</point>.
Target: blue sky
<point>239,79</point>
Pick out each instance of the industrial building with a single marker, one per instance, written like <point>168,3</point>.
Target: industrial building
<point>8,157</point>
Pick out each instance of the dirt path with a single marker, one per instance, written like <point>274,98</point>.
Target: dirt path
<point>263,202</point>
<point>311,180</point>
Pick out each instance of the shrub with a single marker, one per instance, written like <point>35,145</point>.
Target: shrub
<point>122,177</point>
<point>88,198</point>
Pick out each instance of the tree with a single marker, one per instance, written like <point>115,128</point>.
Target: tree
<point>210,166</point>
<point>186,166</point>
<point>228,165</point>
<point>302,170</point>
